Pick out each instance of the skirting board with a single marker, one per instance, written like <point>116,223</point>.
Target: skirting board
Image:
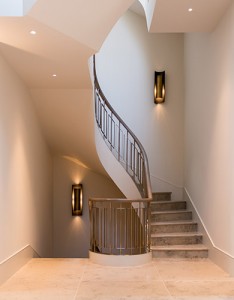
<point>218,256</point>
<point>12,264</point>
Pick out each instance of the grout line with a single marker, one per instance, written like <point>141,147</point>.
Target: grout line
<point>199,280</point>
<point>161,279</point>
<point>85,267</point>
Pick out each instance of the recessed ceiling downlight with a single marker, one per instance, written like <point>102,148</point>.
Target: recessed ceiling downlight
<point>33,32</point>
<point>190,9</point>
<point>54,75</point>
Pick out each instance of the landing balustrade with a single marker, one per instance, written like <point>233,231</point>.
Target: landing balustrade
<point>120,226</point>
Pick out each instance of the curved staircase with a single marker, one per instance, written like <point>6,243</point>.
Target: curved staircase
<point>174,234</point>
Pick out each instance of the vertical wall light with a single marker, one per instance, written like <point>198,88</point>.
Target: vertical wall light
<point>159,87</point>
<point>77,199</point>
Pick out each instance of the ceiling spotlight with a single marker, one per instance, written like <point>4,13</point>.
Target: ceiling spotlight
<point>54,75</point>
<point>190,9</point>
<point>33,32</point>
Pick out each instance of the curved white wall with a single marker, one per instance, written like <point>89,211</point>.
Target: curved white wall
<point>125,68</point>
<point>26,207</point>
<point>209,124</point>
<point>114,169</point>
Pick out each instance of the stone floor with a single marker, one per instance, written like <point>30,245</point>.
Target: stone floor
<point>77,279</point>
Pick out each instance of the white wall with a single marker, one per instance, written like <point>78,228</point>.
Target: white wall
<point>25,172</point>
<point>125,68</point>
<point>209,129</point>
<point>75,134</point>
<point>71,233</point>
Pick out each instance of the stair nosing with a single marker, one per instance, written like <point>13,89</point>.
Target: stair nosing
<point>194,247</point>
<point>170,212</point>
<point>180,222</point>
<point>169,201</point>
<point>177,234</point>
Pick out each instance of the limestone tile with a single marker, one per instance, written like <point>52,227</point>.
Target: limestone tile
<point>47,270</point>
<point>201,288</point>
<point>204,298</point>
<point>146,272</point>
<point>100,290</point>
<point>37,295</point>
<point>44,279</point>
<point>189,270</point>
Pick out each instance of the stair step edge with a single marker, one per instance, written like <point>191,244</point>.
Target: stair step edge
<point>177,234</point>
<point>194,247</point>
<point>170,212</point>
<point>181,222</point>
<point>161,193</point>
<point>168,202</point>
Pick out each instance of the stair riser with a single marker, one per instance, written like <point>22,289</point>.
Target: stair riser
<point>180,240</point>
<point>179,253</point>
<point>166,217</point>
<point>161,196</point>
<point>168,206</point>
<point>172,228</point>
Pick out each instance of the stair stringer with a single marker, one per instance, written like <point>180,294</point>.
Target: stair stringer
<point>115,170</point>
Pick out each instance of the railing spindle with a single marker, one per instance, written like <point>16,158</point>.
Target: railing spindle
<point>120,226</point>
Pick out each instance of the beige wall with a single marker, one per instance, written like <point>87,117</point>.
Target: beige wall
<point>71,233</point>
<point>209,129</point>
<point>125,68</point>
<point>25,172</point>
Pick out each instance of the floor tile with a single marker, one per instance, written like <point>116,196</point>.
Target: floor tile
<point>189,270</point>
<point>201,288</point>
<point>80,279</point>
<point>142,273</point>
<point>121,290</point>
<point>44,279</point>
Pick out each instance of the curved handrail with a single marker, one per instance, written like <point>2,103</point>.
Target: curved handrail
<point>120,226</point>
<point>136,160</point>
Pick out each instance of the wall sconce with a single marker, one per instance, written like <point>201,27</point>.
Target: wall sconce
<point>159,87</point>
<point>77,199</point>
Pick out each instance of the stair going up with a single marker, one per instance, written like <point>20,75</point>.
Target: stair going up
<point>174,234</point>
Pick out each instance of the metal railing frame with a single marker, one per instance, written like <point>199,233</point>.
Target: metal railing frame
<point>106,234</point>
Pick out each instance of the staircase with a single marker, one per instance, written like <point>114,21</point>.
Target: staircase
<point>173,232</point>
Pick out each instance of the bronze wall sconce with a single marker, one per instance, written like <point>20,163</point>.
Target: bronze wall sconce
<point>159,87</point>
<point>77,199</point>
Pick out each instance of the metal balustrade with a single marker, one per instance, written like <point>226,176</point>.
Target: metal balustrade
<point>120,226</point>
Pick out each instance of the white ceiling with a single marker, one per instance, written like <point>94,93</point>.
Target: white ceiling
<point>173,15</point>
<point>68,33</point>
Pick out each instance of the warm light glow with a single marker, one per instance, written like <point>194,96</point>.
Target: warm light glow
<point>33,32</point>
<point>77,200</point>
<point>190,9</point>
<point>76,161</point>
<point>54,75</point>
<point>159,87</point>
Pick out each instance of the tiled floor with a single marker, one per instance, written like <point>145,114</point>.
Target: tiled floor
<point>77,279</point>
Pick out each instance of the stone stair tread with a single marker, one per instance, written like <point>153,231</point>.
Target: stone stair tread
<point>161,193</point>
<point>181,222</point>
<point>170,212</point>
<point>175,234</point>
<point>166,202</point>
<point>192,247</point>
